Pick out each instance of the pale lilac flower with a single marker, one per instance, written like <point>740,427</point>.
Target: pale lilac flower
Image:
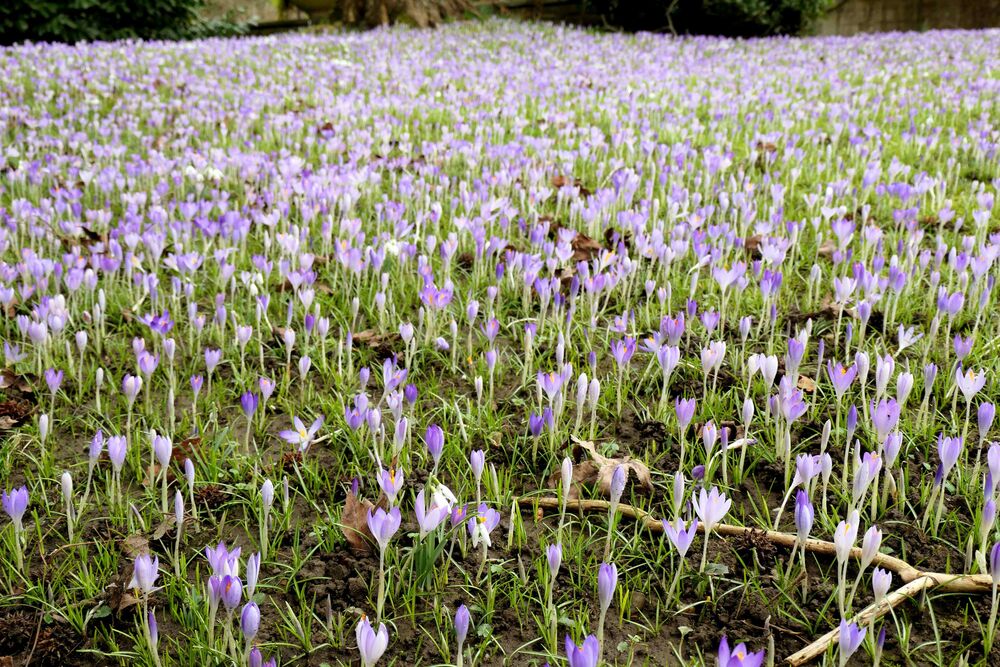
<point>678,536</point>
<point>371,643</point>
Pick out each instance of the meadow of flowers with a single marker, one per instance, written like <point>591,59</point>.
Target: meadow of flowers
<point>500,344</point>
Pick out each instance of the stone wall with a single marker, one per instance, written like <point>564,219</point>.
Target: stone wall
<point>854,16</point>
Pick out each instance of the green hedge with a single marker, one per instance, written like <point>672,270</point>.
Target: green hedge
<point>76,20</point>
<point>742,18</point>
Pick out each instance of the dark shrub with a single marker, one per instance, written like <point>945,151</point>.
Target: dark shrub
<point>743,18</point>
<point>76,20</point>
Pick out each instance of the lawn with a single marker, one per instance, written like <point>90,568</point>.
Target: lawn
<point>500,344</point>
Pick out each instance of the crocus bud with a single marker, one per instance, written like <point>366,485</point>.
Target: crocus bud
<point>162,448</point>
<point>267,496</point>
<point>567,475</point>
<point>618,479</point>
<point>189,474</point>
<point>462,619</point>
<point>988,518</point>
<point>844,537</point>
<point>434,439</point>
<point>179,508</point>
<point>67,489</point>
<point>477,460</point>
<point>553,554</point>
<point>904,385</point>
<point>607,581</point>
<point>881,582</point>
<point>250,620</point>
<point>43,428</point>
<point>154,632</point>
<point>678,499</point>
<point>593,393</point>
<point>985,415</point>
<point>748,410</point>
<point>870,545</point>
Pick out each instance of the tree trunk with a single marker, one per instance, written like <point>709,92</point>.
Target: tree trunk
<point>422,13</point>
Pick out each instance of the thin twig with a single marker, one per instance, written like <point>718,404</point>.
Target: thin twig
<point>869,614</point>
<point>914,579</point>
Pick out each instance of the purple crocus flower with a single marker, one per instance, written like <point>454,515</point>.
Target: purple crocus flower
<point>963,346</point>
<point>248,401</point>
<point>881,583</point>
<point>462,620</point>
<point>841,377</point>
<point>212,359</point>
<point>231,592</point>
<point>684,408</point>
<point>301,436</point>
<point>131,386</point>
<point>145,571</point>
<point>885,416</point>
<point>622,351</point>
<point>250,620</point>
<point>553,556</point>
<point>15,504</point>
<point>477,461</point>
<point>711,507</point>
<point>383,525</point>
<point>738,656</point>
<point>429,519</point>
<point>607,581</point>
<point>162,448</point>
<point>536,424</point>
<point>391,481</point>
<point>850,639</point>
<point>985,415</point>
<point>371,644</point>
<point>117,449</point>
<point>147,363</point>
<point>585,655</point>
<point>551,383</point>
<point>53,378</point>
<point>481,525</point>
<point>804,515</point>
<point>995,564</point>
<point>949,449</point>
<point>266,388</point>
<point>434,439</point>
<point>970,382</point>
<point>678,536</point>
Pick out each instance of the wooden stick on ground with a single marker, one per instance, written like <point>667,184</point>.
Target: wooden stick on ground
<point>915,580</point>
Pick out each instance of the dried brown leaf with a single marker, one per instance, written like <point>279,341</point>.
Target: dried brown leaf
<point>354,524</point>
<point>600,469</point>
<point>383,344</point>
<point>584,248</point>
<point>827,248</point>
<point>134,545</point>
<point>806,384</point>
<point>583,473</point>
<point>23,383</point>
<point>186,448</point>
<point>168,522</point>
